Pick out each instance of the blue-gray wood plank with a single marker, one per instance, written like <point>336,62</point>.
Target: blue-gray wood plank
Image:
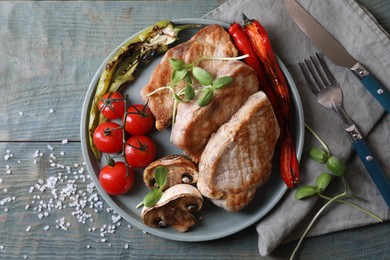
<point>53,72</point>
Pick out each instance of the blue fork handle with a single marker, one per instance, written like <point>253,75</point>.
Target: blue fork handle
<point>377,174</point>
<point>376,88</point>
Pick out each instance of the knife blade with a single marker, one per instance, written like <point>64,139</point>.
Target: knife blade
<point>336,52</point>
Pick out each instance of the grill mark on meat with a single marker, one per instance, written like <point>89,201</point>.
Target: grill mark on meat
<point>237,158</point>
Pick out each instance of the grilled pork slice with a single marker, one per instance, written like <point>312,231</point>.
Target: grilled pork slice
<point>194,124</point>
<point>211,41</point>
<point>237,158</point>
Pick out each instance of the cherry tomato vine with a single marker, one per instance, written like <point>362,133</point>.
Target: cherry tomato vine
<point>126,140</point>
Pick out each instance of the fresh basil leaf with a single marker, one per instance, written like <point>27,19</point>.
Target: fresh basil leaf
<point>152,197</point>
<point>161,176</point>
<point>178,75</point>
<point>336,166</point>
<point>323,180</point>
<point>202,76</point>
<point>177,64</point>
<point>188,79</point>
<point>305,191</point>
<point>189,92</point>
<point>206,97</point>
<point>222,81</point>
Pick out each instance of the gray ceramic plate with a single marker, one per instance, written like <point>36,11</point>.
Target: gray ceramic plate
<point>216,222</point>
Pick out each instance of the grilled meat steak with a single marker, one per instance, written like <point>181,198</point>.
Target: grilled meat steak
<point>237,158</point>
<point>194,124</point>
<point>211,41</point>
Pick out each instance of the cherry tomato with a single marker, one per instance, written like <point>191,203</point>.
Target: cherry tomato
<point>115,179</point>
<point>112,105</point>
<point>108,137</point>
<point>139,119</point>
<point>140,151</point>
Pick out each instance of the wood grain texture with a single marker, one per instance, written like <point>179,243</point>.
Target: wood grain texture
<point>53,71</point>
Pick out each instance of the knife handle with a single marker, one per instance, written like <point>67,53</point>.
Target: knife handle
<point>377,89</point>
<point>377,174</point>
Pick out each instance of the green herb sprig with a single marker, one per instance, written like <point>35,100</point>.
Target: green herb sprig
<point>183,71</point>
<point>337,170</point>
<point>160,174</point>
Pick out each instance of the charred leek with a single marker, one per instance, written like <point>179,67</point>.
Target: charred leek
<point>131,56</point>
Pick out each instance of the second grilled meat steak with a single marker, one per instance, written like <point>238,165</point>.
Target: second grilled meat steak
<point>194,124</point>
<point>237,158</point>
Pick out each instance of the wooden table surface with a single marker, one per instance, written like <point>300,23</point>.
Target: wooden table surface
<point>43,81</point>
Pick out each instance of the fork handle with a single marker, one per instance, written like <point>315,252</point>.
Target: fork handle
<point>377,174</point>
<point>378,90</point>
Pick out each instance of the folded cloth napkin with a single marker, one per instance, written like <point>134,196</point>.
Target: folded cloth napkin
<point>363,37</point>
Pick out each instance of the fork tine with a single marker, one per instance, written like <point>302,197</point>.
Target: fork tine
<point>319,71</point>
<point>314,74</point>
<point>325,68</point>
<point>309,80</point>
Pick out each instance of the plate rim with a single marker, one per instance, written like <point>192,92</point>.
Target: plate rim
<point>87,153</point>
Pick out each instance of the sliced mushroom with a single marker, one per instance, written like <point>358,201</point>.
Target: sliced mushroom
<point>175,208</point>
<point>180,170</point>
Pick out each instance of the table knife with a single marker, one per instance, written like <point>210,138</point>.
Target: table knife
<point>336,52</point>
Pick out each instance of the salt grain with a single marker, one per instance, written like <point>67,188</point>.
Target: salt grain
<point>51,111</point>
<point>65,141</point>
<point>28,228</point>
<point>21,113</point>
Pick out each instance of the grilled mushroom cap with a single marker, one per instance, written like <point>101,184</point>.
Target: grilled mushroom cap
<point>180,170</point>
<point>175,208</point>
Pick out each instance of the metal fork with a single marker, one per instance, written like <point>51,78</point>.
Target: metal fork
<point>328,93</point>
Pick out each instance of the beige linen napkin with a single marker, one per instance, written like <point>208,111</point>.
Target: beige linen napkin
<point>361,35</point>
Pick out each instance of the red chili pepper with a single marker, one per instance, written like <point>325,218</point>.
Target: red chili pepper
<point>262,46</point>
<point>244,46</point>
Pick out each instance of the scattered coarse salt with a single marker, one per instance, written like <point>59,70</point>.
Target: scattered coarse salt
<point>1,247</point>
<point>28,228</point>
<point>6,157</point>
<point>36,154</point>
<point>46,227</point>
<point>65,141</point>
<point>115,218</point>
<point>51,110</point>
<point>5,209</point>
<point>9,171</point>
<point>21,113</point>
<point>50,147</point>
<point>1,180</point>
<point>126,246</point>
<point>88,246</point>
<point>25,256</point>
